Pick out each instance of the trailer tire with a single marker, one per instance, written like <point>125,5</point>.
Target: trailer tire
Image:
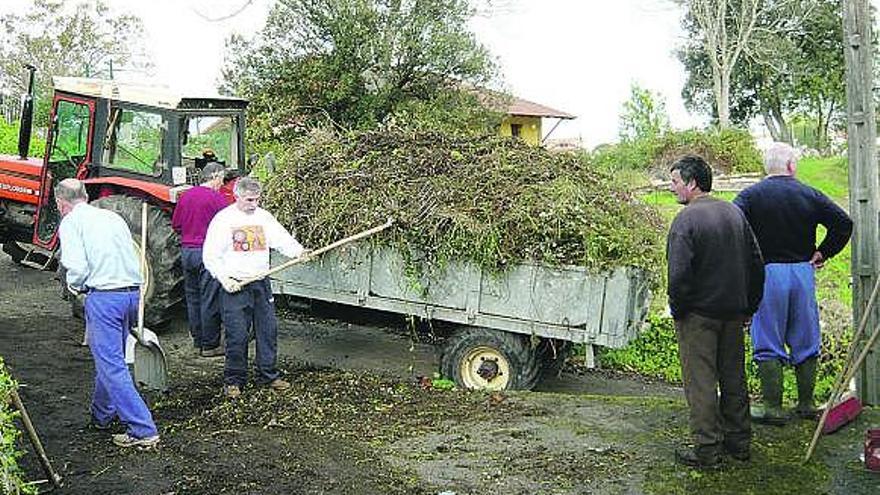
<point>164,273</point>
<point>487,359</point>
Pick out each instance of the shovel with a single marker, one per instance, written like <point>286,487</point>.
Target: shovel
<point>150,365</point>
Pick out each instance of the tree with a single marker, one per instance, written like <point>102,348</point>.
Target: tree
<point>60,38</point>
<point>820,82</point>
<point>644,115</point>
<point>354,62</point>
<point>729,31</point>
<point>799,69</point>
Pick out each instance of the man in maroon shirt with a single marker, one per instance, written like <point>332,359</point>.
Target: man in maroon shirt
<point>193,213</point>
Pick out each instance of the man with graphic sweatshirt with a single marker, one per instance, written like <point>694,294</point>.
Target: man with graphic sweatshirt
<point>237,247</point>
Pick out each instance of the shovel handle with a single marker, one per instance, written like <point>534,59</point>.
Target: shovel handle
<point>141,293</point>
<point>318,252</point>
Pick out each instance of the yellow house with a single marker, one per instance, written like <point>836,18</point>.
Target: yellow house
<point>524,119</point>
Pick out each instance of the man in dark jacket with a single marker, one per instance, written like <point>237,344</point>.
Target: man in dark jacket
<point>716,279</point>
<point>784,215</point>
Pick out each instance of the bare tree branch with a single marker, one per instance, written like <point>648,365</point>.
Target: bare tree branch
<point>237,11</point>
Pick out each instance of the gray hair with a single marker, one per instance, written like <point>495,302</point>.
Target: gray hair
<point>247,185</point>
<point>777,157</point>
<point>71,190</point>
<point>212,171</point>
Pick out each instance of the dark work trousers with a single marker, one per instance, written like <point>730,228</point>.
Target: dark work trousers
<point>712,354</point>
<point>202,300</point>
<point>253,305</point>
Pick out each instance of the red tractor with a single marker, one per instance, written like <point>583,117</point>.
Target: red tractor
<point>129,144</point>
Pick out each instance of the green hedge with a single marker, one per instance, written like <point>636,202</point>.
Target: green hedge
<point>727,150</point>
<point>11,481</point>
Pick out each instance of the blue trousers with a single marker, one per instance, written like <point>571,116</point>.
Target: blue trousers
<point>202,300</point>
<point>253,306</point>
<point>788,315</point>
<point>109,316</point>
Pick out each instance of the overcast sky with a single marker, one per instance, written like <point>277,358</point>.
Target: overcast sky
<point>579,56</point>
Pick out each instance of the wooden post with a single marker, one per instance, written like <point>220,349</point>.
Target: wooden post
<point>864,183</point>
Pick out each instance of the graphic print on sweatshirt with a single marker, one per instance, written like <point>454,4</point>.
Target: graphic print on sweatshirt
<point>248,238</point>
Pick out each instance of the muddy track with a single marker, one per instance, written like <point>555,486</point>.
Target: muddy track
<point>358,420</point>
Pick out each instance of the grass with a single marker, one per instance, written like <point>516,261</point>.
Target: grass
<point>829,175</point>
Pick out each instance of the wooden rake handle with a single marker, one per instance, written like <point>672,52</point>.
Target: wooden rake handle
<point>849,368</point>
<point>318,252</point>
<point>54,478</point>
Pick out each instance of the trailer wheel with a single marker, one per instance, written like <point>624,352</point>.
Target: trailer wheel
<point>486,359</point>
<point>164,277</point>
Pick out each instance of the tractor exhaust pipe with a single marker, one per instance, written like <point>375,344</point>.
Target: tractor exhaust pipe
<point>27,116</point>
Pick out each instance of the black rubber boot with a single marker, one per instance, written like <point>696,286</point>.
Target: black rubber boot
<point>703,457</point>
<point>771,413</point>
<point>806,382</point>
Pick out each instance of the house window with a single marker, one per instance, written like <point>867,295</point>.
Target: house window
<point>516,130</point>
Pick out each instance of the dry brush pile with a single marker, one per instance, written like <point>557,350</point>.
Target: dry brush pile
<point>492,201</point>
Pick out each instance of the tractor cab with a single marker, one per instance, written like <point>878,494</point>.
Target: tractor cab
<point>134,140</point>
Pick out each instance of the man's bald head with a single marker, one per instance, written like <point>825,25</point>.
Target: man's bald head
<point>69,193</point>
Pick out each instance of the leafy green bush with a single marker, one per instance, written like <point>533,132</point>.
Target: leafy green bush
<point>11,481</point>
<point>9,141</point>
<point>655,354</point>
<point>727,150</point>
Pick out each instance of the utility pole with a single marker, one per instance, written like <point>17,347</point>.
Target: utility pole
<point>864,181</point>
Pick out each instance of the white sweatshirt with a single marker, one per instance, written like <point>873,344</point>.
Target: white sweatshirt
<point>237,243</point>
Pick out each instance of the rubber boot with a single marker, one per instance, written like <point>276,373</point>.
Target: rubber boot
<point>806,382</point>
<point>771,413</point>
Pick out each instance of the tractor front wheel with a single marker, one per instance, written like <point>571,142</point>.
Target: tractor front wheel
<point>164,275</point>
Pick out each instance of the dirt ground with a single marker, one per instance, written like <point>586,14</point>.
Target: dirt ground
<point>359,421</point>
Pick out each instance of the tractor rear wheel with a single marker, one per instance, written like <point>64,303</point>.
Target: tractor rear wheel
<point>164,276</point>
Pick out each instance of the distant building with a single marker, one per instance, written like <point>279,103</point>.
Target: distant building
<point>522,118</point>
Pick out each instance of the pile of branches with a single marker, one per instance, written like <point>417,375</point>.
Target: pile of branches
<point>491,200</point>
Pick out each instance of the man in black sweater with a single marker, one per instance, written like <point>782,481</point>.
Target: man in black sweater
<point>716,278</point>
<point>784,215</point>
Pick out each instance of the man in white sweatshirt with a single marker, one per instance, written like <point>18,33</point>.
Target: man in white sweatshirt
<point>237,247</point>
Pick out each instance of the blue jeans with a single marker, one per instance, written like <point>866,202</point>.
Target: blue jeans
<point>788,315</point>
<point>253,306</point>
<point>109,315</point>
<point>202,300</point>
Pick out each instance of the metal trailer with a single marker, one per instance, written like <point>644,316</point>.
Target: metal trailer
<point>514,327</point>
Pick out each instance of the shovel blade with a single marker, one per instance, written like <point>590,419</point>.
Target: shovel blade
<point>150,368</point>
